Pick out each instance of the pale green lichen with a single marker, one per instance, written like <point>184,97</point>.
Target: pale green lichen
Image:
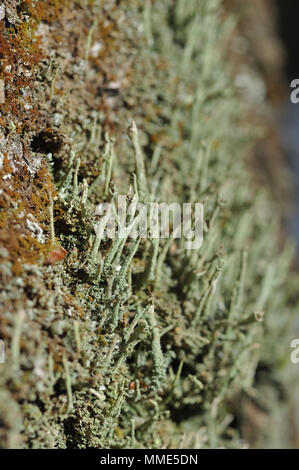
<point>139,342</point>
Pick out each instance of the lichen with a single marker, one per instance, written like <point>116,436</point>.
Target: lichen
<point>131,343</point>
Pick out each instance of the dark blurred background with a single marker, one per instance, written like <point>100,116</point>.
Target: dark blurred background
<point>288,27</point>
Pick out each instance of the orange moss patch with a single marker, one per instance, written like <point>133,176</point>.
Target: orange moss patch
<point>24,216</point>
<point>45,10</point>
<point>24,192</point>
<point>20,53</point>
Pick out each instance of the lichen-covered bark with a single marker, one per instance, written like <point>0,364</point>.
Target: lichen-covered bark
<point>133,343</point>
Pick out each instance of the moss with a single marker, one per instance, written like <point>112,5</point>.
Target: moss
<point>130,343</point>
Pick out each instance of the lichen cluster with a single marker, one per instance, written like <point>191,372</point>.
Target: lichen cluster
<point>132,343</point>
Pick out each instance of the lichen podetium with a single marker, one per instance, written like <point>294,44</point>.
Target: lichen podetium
<point>131,343</point>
